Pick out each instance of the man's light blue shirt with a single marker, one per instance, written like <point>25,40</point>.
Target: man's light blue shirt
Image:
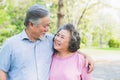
<point>23,59</point>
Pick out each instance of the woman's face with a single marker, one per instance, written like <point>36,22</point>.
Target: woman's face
<point>61,40</point>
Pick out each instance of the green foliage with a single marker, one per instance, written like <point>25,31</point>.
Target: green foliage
<point>83,40</point>
<point>95,44</point>
<point>53,16</point>
<point>3,17</point>
<point>2,38</point>
<point>112,43</point>
<point>12,16</point>
<point>11,20</point>
<point>6,32</point>
<point>91,25</point>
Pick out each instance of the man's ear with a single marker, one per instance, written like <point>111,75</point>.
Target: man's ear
<point>31,24</point>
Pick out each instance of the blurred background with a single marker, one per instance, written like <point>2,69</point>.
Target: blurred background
<point>98,22</point>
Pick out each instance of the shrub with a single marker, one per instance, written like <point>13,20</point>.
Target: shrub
<point>112,43</point>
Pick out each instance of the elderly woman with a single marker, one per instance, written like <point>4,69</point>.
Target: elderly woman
<point>68,63</point>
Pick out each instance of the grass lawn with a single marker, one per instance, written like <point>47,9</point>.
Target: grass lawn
<point>114,49</point>
<point>102,54</point>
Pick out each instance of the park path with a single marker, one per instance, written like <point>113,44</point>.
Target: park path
<point>107,64</point>
<point>107,71</point>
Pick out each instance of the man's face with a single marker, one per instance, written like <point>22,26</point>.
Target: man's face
<point>40,30</point>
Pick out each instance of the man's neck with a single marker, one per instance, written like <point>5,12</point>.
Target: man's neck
<point>29,34</point>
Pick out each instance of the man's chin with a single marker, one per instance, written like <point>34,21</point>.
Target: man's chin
<point>42,37</point>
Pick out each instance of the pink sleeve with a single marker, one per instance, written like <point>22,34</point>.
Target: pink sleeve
<point>85,75</point>
<point>84,70</point>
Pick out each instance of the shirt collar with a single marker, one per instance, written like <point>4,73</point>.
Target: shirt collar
<point>24,36</point>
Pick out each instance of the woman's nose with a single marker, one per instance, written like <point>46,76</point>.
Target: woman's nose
<point>57,38</point>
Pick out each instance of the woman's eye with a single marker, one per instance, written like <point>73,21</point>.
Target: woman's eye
<point>57,34</point>
<point>62,37</point>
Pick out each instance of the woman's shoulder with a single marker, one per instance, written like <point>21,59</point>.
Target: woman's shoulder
<point>80,56</point>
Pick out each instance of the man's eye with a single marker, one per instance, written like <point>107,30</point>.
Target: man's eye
<point>48,25</point>
<point>44,26</point>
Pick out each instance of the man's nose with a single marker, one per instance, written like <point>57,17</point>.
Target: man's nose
<point>46,29</point>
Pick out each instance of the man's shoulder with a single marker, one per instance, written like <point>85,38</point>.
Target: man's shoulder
<point>9,42</point>
<point>48,35</point>
<point>13,39</point>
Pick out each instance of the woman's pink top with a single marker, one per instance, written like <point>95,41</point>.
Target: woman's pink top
<point>69,68</point>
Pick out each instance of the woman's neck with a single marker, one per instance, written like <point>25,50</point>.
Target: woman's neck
<point>64,54</point>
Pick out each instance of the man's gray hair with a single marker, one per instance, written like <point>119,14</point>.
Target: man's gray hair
<point>34,14</point>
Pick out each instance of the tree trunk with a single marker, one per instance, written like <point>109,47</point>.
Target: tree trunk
<point>101,43</point>
<point>60,14</point>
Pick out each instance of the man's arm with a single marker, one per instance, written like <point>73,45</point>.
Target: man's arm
<point>2,75</point>
<point>89,62</point>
